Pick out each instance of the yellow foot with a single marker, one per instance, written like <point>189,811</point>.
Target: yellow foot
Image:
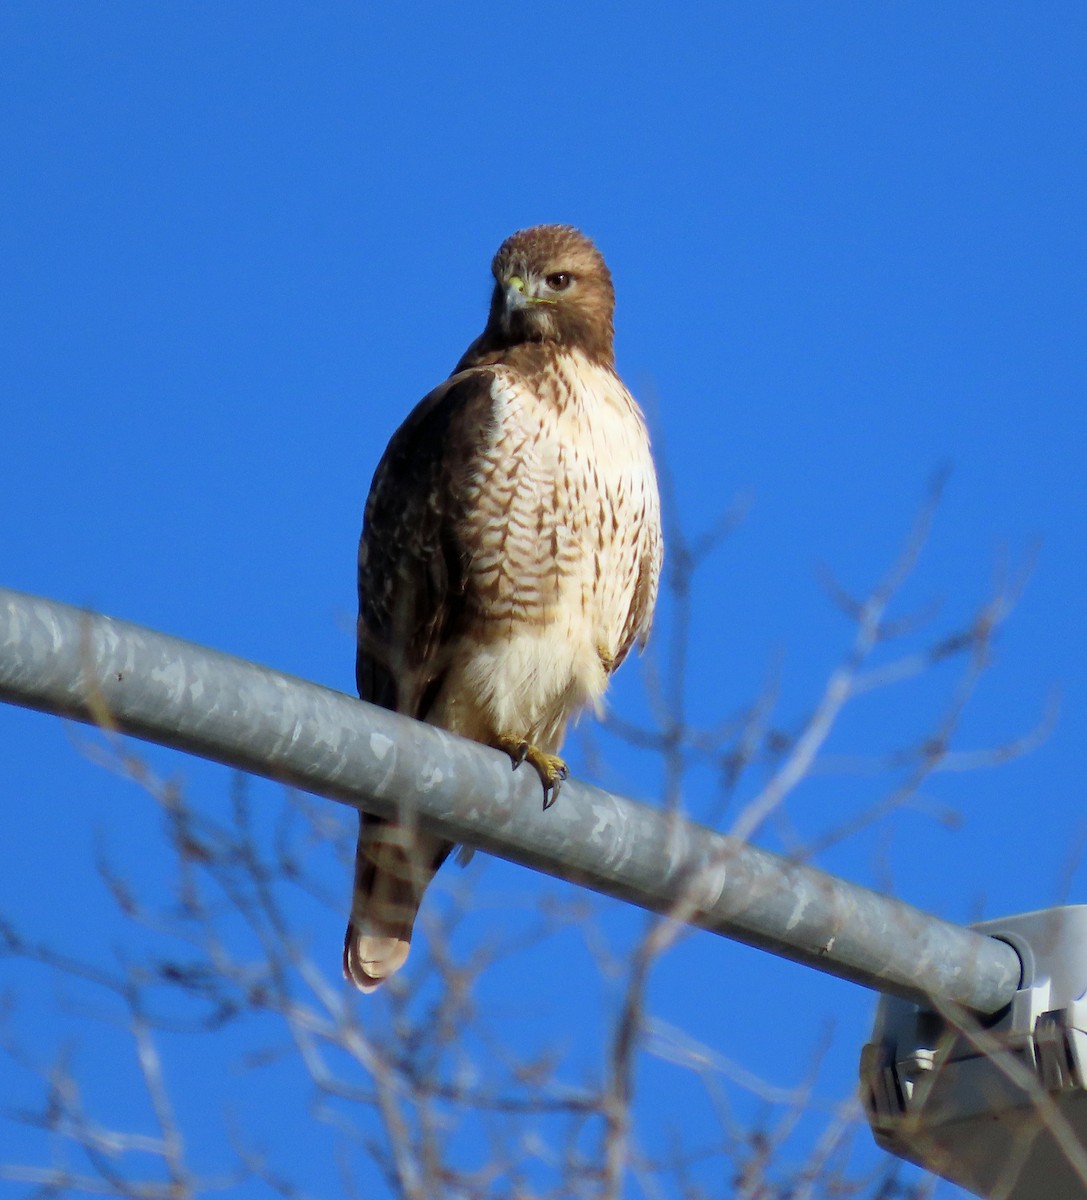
<point>550,768</point>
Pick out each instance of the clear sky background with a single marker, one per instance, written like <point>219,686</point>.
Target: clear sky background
<point>239,241</point>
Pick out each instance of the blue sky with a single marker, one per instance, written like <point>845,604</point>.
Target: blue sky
<point>238,242</point>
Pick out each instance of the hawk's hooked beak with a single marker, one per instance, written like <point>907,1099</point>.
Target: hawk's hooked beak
<point>520,295</point>
<point>516,294</point>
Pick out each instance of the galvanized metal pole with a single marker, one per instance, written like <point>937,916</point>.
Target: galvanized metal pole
<point>89,667</point>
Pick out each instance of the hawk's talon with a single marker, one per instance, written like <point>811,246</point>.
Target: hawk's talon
<point>550,768</point>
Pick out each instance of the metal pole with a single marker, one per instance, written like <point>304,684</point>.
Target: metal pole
<point>83,665</point>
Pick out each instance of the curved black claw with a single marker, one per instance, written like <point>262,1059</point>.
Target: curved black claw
<point>550,768</point>
<point>517,748</point>
<point>552,772</point>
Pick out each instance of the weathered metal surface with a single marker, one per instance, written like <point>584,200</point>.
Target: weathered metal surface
<point>90,667</point>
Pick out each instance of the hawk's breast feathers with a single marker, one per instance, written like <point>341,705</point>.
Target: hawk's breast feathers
<point>525,503</point>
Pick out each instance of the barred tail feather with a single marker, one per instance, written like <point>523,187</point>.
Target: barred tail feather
<point>393,865</point>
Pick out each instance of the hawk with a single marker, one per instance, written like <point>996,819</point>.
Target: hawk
<point>510,554</point>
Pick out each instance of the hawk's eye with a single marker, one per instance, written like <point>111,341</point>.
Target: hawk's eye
<point>559,281</point>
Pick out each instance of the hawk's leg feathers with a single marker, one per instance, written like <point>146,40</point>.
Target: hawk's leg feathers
<point>550,768</point>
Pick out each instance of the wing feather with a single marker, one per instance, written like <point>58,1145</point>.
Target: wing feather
<point>412,566</point>
<point>643,598</point>
<point>412,561</point>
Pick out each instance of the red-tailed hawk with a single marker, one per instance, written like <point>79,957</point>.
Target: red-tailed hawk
<point>510,553</point>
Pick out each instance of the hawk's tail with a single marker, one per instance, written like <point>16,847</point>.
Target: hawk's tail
<point>393,865</point>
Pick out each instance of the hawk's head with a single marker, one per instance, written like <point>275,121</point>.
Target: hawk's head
<point>552,285</point>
